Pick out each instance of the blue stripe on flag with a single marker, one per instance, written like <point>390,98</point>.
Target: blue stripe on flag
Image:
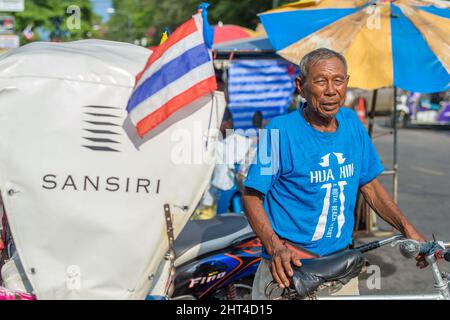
<point>256,66</point>
<point>168,73</point>
<point>235,99</point>
<point>249,115</point>
<point>254,109</point>
<point>421,71</point>
<point>260,73</point>
<point>265,110</point>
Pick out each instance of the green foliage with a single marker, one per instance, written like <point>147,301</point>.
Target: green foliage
<point>149,18</point>
<point>52,17</point>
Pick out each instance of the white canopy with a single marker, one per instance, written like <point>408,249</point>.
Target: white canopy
<point>84,196</point>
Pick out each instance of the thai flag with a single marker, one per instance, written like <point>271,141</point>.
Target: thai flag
<point>28,32</point>
<point>179,71</point>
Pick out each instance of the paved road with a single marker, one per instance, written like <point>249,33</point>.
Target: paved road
<point>424,197</point>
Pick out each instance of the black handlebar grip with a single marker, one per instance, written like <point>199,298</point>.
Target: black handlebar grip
<point>369,246</point>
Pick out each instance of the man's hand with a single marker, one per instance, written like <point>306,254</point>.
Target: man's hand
<point>282,256</point>
<point>280,266</point>
<point>413,234</point>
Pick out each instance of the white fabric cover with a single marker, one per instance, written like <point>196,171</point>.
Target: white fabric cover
<point>79,238</point>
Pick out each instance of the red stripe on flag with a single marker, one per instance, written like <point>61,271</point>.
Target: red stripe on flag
<point>181,32</point>
<point>174,104</point>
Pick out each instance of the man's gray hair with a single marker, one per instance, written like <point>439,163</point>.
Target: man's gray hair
<point>319,55</point>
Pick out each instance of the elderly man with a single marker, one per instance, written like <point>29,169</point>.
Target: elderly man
<point>302,190</point>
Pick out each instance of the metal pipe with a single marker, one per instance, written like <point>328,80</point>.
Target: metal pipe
<point>439,283</point>
<point>394,124</point>
<point>371,217</point>
<point>372,112</point>
<point>387,172</point>
<point>391,239</point>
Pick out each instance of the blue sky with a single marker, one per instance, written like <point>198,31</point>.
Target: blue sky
<point>100,7</point>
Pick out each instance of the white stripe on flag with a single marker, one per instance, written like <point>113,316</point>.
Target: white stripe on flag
<point>267,95</point>
<point>175,88</point>
<point>243,123</point>
<point>278,103</point>
<point>247,79</point>
<point>257,87</point>
<point>191,41</point>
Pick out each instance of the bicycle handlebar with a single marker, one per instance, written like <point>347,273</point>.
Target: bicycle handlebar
<point>378,243</point>
<point>409,248</point>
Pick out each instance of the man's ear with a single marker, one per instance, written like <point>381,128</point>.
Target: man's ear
<point>348,78</point>
<point>299,85</point>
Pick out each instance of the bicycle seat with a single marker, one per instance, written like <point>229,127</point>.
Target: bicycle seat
<point>341,267</point>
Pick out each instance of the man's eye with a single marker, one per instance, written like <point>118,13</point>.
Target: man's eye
<point>320,82</point>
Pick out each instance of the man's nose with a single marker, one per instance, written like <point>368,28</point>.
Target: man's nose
<point>330,89</point>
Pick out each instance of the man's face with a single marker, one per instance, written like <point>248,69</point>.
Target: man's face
<point>325,87</point>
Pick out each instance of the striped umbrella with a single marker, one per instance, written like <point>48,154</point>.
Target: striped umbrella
<point>402,43</point>
<point>229,32</point>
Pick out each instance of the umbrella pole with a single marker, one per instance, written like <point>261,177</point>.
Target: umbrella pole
<point>394,125</point>
<point>363,214</point>
<point>372,112</point>
<point>371,219</point>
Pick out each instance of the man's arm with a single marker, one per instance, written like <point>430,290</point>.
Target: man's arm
<point>282,256</point>
<point>385,207</point>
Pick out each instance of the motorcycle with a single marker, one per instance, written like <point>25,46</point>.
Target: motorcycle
<point>216,259</point>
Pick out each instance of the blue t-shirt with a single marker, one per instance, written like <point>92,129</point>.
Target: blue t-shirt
<point>310,179</point>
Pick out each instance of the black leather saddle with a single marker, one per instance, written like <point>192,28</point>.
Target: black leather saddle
<point>341,267</point>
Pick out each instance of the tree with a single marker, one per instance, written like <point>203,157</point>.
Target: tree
<point>64,20</point>
<point>151,17</point>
